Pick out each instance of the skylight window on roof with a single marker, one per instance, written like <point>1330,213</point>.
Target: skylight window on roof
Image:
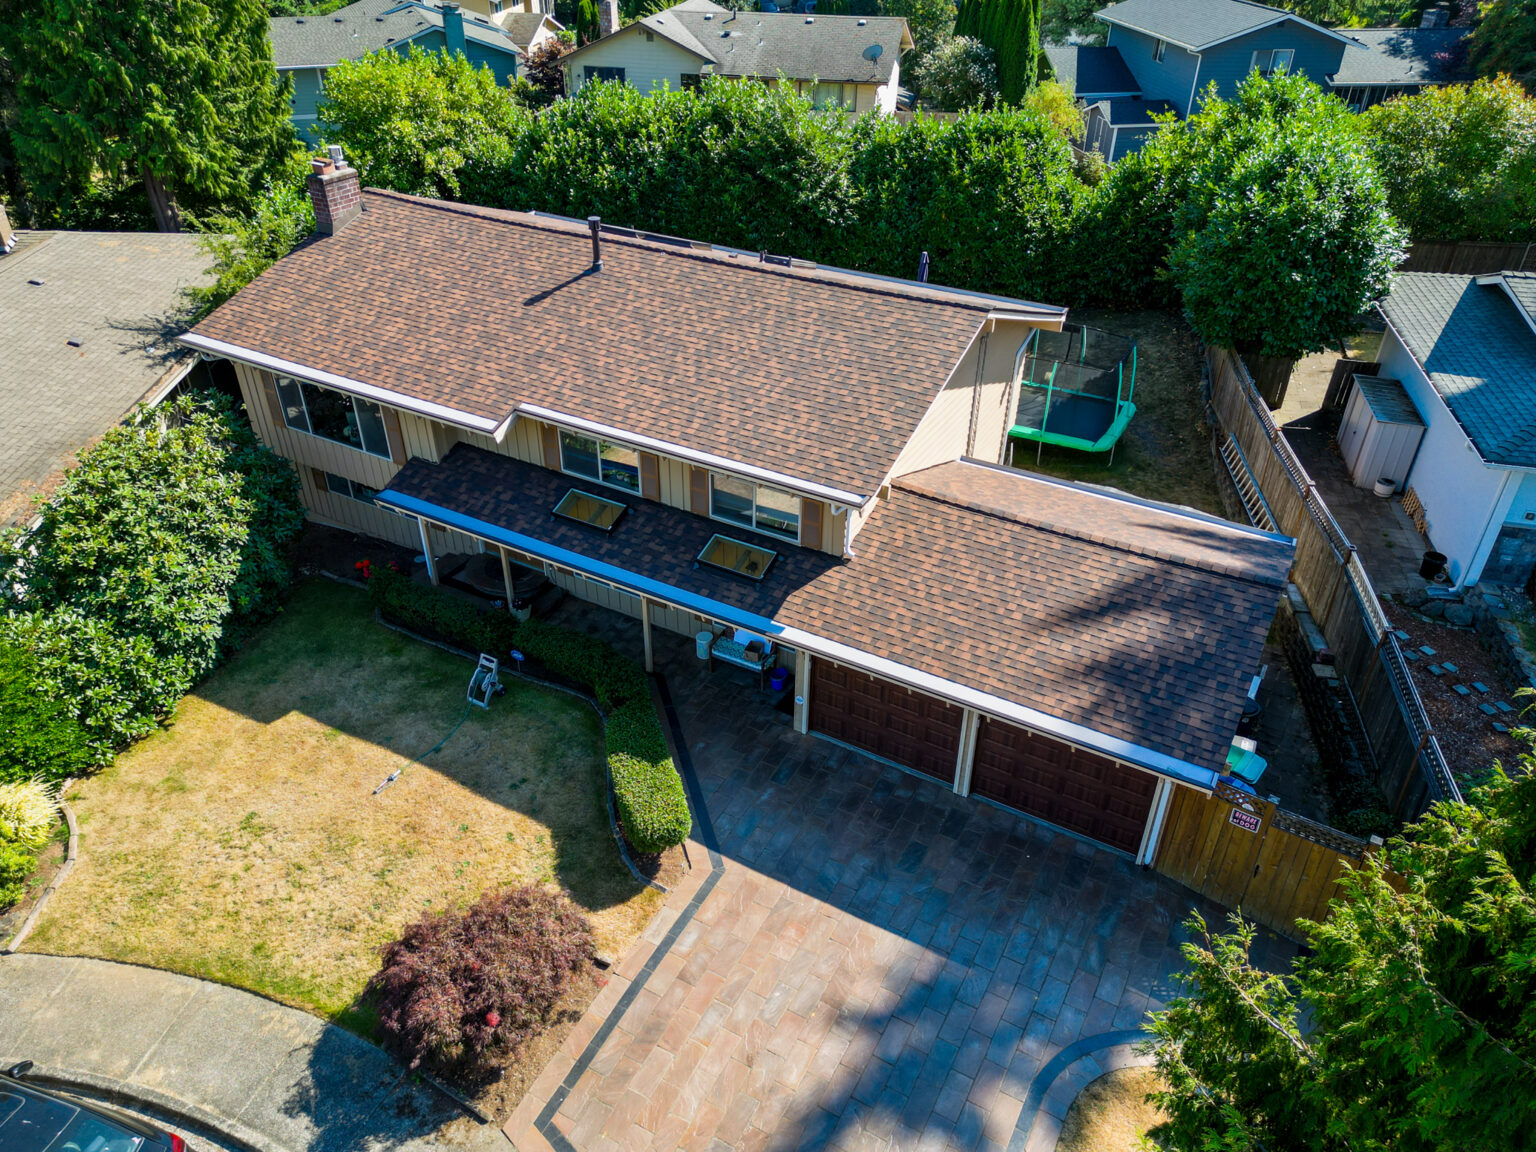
<point>735,556</point>
<point>585,508</point>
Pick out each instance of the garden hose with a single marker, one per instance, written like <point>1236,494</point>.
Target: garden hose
<point>395,775</point>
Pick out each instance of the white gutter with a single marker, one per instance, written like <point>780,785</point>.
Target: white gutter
<point>706,459</point>
<point>482,424</point>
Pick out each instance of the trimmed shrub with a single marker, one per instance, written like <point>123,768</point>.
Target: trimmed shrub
<point>650,800</point>
<point>432,612</point>
<point>28,811</point>
<point>39,736</point>
<point>458,984</point>
<point>16,868</point>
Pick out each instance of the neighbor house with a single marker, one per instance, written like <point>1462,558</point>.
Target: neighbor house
<point>851,62</point>
<point>713,441</point>
<point>304,48</point>
<point>87,321</point>
<point>1172,51</point>
<point>1463,349</point>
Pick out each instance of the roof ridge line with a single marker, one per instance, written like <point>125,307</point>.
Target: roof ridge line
<point>846,278</point>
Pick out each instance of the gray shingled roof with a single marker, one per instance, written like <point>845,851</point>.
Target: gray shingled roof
<point>1197,24</point>
<point>1398,56</point>
<point>1389,400</point>
<point>860,49</point>
<point>119,295</point>
<point>1479,354</point>
<point>1130,113</point>
<point>366,26</point>
<point>1522,286</point>
<point>1091,70</point>
<point>524,26</point>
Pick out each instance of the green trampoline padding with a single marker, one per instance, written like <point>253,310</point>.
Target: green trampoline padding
<point>1075,390</point>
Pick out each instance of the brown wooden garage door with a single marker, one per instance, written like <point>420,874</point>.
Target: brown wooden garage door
<point>886,719</point>
<point>1071,788</point>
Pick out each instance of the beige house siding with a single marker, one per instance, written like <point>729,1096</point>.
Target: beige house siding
<point>648,65</point>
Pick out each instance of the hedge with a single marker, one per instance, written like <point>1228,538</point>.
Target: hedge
<point>652,804</point>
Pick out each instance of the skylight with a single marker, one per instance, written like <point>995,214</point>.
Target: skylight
<point>734,556</point>
<point>585,508</point>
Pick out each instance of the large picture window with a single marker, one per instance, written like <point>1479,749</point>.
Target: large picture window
<point>614,464</point>
<point>755,506</point>
<point>333,415</point>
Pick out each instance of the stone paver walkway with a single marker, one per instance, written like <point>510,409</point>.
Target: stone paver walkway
<point>861,959</point>
<point>273,1077</point>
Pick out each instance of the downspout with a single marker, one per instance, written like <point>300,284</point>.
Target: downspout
<point>981,367</point>
<point>1011,400</point>
<point>847,512</point>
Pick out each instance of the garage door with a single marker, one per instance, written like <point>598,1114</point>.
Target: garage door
<point>886,719</point>
<point>1071,788</point>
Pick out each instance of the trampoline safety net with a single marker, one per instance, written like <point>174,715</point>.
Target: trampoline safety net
<point>1076,388</point>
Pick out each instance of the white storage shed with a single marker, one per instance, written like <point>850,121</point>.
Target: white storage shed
<point>1381,431</point>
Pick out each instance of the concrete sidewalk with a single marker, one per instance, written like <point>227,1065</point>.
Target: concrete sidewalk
<point>273,1078</point>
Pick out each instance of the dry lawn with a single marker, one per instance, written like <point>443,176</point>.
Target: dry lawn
<point>1111,1114</point>
<point>243,844</point>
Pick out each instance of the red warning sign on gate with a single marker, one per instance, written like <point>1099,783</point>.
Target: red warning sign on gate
<point>1245,820</point>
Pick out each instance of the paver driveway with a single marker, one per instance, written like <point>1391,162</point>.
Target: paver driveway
<point>861,959</point>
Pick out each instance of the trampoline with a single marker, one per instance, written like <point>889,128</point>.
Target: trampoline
<point>1076,387</point>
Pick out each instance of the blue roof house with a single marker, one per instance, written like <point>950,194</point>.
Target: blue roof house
<point>1464,348</point>
<point>306,47</point>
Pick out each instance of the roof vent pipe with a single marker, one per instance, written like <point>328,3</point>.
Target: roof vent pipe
<point>922,269</point>
<point>596,224</point>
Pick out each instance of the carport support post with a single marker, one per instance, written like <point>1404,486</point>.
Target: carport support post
<point>965,760</point>
<point>1149,838</point>
<point>645,632</point>
<point>506,573</point>
<point>802,691</point>
<point>426,549</point>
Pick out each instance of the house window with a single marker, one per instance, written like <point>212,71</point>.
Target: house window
<point>1159,47</point>
<point>612,75</point>
<point>1268,63</point>
<point>351,489</point>
<point>692,81</point>
<point>615,464</point>
<point>496,7</point>
<point>756,506</point>
<point>832,95</point>
<point>333,415</point>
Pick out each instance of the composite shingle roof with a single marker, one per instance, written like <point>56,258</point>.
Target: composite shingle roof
<point>1397,56</point>
<point>1137,621</point>
<point>857,49</point>
<point>1478,351</point>
<point>89,320</point>
<point>524,26</point>
<point>366,26</point>
<point>1199,24</point>
<point>801,371</point>
<point>1091,70</point>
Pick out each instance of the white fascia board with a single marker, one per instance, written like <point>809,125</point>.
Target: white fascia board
<point>706,459</point>
<point>1045,316</point>
<point>482,424</point>
<point>1123,751</point>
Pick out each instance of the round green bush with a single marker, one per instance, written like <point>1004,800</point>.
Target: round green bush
<point>652,804</point>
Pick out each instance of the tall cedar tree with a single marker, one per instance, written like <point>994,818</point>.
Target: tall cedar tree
<point>180,94</point>
<point>1011,28</point>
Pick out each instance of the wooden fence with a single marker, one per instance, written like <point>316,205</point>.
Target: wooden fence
<point>1469,257</point>
<point>1246,853</point>
<point>1410,766</point>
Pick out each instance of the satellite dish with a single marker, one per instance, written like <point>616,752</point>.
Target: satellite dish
<point>873,51</point>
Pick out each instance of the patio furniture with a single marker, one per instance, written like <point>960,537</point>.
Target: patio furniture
<point>744,650</point>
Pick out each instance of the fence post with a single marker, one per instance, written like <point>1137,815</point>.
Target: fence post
<point>1413,767</point>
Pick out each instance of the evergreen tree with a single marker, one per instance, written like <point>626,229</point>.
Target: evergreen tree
<point>1011,28</point>
<point>179,94</point>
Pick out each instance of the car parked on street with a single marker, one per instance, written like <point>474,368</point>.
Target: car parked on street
<point>37,1119</point>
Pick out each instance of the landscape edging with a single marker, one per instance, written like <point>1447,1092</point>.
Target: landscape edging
<point>70,853</point>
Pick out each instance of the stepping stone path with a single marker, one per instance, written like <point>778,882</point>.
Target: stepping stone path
<point>1488,709</point>
<point>1479,685</point>
<point>1436,670</point>
<point>1504,707</point>
<point>1449,667</point>
<point>1402,637</point>
<point>1461,690</point>
<point>1427,650</point>
<point>1497,727</point>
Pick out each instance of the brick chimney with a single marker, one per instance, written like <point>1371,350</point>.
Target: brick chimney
<point>607,17</point>
<point>453,28</point>
<point>335,190</point>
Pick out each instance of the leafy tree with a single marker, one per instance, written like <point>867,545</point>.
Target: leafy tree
<point>1063,21</point>
<point>243,247</point>
<point>1459,162</point>
<point>39,736</point>
<point>930,21</point>
<point>1420,1026</point>
<point>959,73</point>
<point>1505,41</point>
<point>409,122</point>
<point>545,71</point>
<point>180,94</point>
<point>1284,235</point>
<point>1053,103</point>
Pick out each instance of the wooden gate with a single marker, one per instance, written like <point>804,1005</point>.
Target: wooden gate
<point>1248,854</point>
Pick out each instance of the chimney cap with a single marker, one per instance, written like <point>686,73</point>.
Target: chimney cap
<point>334,151</point>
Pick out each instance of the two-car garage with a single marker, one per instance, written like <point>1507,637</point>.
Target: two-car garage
<point>1072,788</point>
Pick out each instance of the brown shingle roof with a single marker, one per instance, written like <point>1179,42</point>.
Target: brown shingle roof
<point>1137,621</point>
<point>797,371</point>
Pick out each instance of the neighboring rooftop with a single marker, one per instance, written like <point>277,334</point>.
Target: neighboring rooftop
<point>366,26</point>
<point>842,49</point>
<point>1401,57</point>
<point>1132,112</point>
<point>87,329</point>
<point>1478,351</point>
<point>1090,70</point>
<point>1200,24</point>
<point>1135,620</point>
<point>809,372</point>
<point>524,26</point>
